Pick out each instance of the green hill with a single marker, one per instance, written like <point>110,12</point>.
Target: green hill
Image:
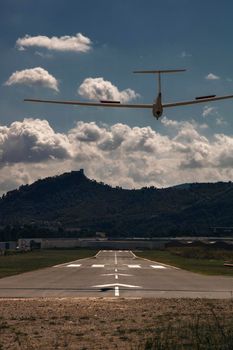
<point>73,201</point>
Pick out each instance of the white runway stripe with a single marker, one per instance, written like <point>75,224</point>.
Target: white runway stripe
<point>97,265</point>
<point>134,266</point>
<point>158,266</point>
<point>73,265</point>
<point>117,291</point>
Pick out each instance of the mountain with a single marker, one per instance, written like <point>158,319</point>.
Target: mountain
<point>73,203</point>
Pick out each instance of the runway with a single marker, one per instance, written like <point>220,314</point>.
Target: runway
<point>115,274</point>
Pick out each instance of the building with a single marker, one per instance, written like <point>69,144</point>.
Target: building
<point>10,245</point>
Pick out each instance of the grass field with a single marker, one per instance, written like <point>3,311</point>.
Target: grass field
<point>196,259</point>
<point>37,259</point>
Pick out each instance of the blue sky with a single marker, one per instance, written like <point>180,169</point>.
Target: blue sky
<point>125,35</point>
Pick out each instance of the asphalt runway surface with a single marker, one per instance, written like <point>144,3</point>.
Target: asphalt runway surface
<point>115,274</point>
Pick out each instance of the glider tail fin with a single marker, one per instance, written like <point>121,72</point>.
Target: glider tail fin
<point>159,74</point>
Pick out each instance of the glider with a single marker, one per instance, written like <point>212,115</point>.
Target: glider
<point>157,106</point>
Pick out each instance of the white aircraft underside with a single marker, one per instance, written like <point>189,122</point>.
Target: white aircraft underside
<point>156,107</point>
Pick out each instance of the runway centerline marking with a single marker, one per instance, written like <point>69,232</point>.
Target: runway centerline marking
<point>117,291</point>
<point>73,265</point>
<point>97,265</point>
<point>115,258</point>
<point>133,266</point>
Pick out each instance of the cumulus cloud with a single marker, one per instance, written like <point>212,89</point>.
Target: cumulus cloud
<point>34,76</point>
<point>119,155</point>
<point>100,89</point>
<point>77,43</point>
<point>212,76</point>
<point>32,140</point>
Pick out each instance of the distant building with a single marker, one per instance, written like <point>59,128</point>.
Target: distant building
<point>10,245</point>
<point>121,243</point>
<point>47,243</point>
<point>101,235</point>
<point>222,229</point>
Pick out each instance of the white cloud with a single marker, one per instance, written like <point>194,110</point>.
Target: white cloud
<point>34,76</point>
<point>43,55</point>
<point>212,76</point>
<point>213,111</point>
<point>221,121</point>
<point>119,155</point>
<point>32,140</point>
<point>207,111</point>
<point>100,89</point>
<point>185,54</point>
<point>12,177</point>
<point>77,43</point>
<point>174,124</point>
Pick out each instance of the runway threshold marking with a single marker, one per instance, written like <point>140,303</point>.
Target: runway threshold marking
<point>158,266</point>
<point>134,266</point>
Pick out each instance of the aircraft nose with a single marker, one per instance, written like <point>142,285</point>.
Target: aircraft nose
<point>158,114</point>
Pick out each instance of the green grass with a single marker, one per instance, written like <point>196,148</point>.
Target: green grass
<point>195,259</point>
<point>37,259</point>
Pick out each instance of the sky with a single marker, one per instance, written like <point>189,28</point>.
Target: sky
<point>87,51</point>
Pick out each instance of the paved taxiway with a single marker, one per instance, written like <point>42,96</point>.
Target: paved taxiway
<point>115,274</point>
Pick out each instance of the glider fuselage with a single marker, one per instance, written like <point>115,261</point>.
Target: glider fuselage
<point>157,108</point>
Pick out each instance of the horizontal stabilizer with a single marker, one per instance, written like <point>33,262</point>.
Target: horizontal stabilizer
<point>160,71</point>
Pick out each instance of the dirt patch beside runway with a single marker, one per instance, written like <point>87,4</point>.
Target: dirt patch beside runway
<point>107,323</point>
